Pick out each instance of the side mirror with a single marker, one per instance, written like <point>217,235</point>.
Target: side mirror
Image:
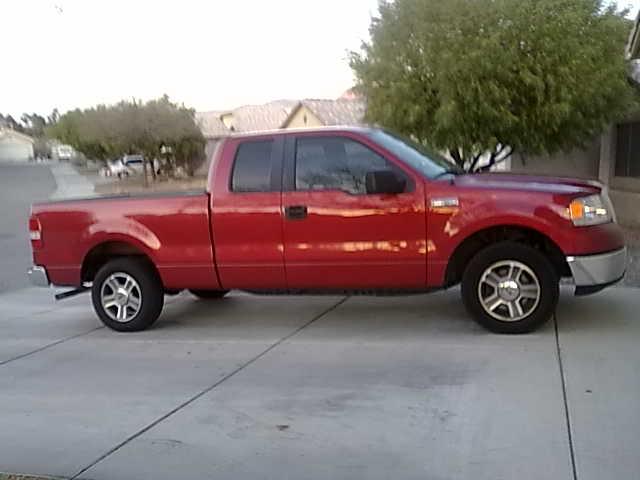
<point>384,181</point>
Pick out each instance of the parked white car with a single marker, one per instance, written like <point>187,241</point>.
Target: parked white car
<point>134,164</point>
<point>64,152</point>
<point>124,167</point>
<point>115,168</point>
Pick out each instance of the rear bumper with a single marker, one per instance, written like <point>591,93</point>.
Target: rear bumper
<point>592,271</point>
<point>38,276</point>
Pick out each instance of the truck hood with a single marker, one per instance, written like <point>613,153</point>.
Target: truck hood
<point>529,183</point>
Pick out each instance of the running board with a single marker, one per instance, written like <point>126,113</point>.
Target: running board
<point>71,293</point>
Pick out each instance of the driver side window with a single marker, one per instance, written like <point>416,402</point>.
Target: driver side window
<point>335,163</point>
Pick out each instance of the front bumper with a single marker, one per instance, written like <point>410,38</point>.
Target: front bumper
<point>590,272</point>
<point>38,276</point>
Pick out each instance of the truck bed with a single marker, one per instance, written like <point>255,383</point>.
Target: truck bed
<point>171,229</point>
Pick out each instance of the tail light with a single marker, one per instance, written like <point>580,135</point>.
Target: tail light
<point>35,232</point>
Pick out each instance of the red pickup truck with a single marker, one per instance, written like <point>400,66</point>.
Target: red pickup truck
<point>344,210</point>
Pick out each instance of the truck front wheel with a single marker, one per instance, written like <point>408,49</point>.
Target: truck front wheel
<point>509,287</point>
<point>127,295</point>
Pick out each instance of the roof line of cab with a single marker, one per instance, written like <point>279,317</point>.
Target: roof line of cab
<point>334,128</point>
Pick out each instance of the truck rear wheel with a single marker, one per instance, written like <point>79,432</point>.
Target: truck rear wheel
<point>509,287</point>
<point>127,295</point>
<point>209,294</point>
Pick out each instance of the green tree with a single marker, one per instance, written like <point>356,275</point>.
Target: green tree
<point>34,124</point>
<point>54,117</point>
<point>9,122</point>
<point>484,78</point>
<point>133,127</point>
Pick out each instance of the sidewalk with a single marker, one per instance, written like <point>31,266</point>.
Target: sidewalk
<point>70,183</point>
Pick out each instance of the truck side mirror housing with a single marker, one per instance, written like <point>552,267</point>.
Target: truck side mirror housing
<point>384,181</point>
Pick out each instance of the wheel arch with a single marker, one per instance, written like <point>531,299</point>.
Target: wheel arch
<point>108,250</point>
<point>484,237</point>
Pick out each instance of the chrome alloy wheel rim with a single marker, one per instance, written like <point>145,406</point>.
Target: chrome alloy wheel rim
<point>509,291</point>
<point>121,297</point>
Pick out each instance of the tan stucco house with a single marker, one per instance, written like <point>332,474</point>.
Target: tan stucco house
<point>15,146</point>
<point>317,113</point>
<point>280,114</point>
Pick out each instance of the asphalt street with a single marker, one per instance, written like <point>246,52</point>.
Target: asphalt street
<point>20,185</point>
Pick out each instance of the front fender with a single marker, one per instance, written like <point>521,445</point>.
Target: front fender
<point>512,220</point>
<point>447,230</point>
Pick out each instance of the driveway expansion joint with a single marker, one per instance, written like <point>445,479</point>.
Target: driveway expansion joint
<point>563,380</point>
<point>49,345</point>
<point>210,388</point>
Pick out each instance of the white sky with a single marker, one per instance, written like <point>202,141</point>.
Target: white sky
<point>209,54</point>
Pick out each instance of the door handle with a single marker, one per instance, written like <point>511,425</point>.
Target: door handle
<point>295,212</point>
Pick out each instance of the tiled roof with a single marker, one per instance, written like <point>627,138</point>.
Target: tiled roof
<point>8,133</point>
<point>269,116</point>
<point>274,115</point>
<point>337,112</point>
<point>211,124</point>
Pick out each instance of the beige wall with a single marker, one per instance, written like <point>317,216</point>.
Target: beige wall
<point>627,206</point>
<point>227,119</point>
<point>624,191</point>
<point>15,149</point>
<point>303,117</point>
<point>577,163</point>
<point>209,150</point>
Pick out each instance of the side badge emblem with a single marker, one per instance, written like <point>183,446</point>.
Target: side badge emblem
<point>449,202</point>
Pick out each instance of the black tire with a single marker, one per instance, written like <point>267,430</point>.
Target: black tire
<point>209,294</point>
<point>149,290</point>
<point>547,287</point>
<point>172,292</point>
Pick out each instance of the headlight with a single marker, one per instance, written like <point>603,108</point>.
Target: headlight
<point>591,210</point>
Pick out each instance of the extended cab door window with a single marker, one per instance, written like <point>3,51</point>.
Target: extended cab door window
<point>335,163</point>
<point>245,213</point>
<point>337,235</point>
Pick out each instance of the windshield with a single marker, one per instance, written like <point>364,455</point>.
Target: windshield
<point>427,161</point>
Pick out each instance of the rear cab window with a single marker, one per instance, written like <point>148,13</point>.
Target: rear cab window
<point>253,166</point>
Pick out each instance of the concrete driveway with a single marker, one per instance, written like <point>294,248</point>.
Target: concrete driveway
<point>319,388</point>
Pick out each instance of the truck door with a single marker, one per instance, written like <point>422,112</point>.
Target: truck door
<point>246,214</point>
<point>336,235</point>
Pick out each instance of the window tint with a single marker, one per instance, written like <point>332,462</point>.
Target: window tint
<point>252,167</point>
<point>420,157</point>
<point>334,163</point>
<point>628,150</point>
